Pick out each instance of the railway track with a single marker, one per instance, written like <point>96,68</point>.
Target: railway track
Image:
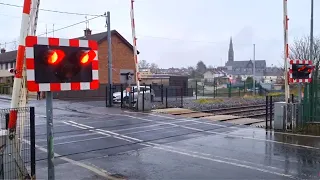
<point>252,111</point>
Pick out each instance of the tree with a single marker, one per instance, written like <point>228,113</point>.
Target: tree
<point>249,82</point>
<point>143,64</point>
<point>300,49</point>
<point>154,67</point>
<point>201,67</point>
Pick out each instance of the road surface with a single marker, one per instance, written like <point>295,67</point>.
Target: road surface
<point>93,142</point>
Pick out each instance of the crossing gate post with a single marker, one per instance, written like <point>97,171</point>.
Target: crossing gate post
<point>271,111</point>
<point>267,108</point>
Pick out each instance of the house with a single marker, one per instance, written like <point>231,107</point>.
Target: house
<point>273,75</point>
<point>7,59</point>
<point>211,74</point>
<point>122,61</point>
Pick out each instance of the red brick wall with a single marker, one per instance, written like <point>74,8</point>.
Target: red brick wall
<point>122,58</point>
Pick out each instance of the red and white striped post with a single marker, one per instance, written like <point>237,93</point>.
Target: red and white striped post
<point>19,65</point>
<point>286,50</point>
<point>135,51</point>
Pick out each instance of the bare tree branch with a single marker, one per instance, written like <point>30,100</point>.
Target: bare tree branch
<point>300,49</point>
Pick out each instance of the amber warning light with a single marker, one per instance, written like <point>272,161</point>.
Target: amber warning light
<point>55,56</point>
<point>87,56</point>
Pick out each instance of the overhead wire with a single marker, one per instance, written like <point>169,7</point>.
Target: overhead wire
<point>59,29</point>
<point>54,11</point>
<point>69,25</point>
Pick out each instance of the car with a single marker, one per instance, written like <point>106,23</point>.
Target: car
<point>146,89</point>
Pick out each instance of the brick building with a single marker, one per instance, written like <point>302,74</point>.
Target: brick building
<point>122,60</point>
<point>122,54</point>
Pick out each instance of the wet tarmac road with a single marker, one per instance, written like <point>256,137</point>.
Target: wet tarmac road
<point>139,146</point>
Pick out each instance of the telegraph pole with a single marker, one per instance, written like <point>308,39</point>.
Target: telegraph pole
<point>109,59</point>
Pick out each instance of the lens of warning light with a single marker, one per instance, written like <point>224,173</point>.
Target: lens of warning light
<point>87,56</point>
<point>55,56</point>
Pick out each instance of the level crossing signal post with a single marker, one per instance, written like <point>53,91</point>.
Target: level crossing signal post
<point>54,65</point>
<point>300,72</point>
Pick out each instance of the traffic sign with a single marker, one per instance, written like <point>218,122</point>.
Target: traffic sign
<point>300,71</point>
<point>55,64</point>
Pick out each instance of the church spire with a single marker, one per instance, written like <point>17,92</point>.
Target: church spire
<point>230,52</point>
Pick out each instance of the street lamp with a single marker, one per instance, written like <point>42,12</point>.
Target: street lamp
<point>254,69</point>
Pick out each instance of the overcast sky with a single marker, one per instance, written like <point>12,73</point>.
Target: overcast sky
<point>177,33</point>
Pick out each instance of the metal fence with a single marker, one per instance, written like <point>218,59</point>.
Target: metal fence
<point>5,89</point>
<point>17,156</point>
<point>311,102</point>
<point>237,89</point>
<point>160,97</point>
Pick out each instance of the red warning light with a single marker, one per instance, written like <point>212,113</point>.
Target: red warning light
<point>87,56</point>
<point>55,56</point>
<point>302,68</point>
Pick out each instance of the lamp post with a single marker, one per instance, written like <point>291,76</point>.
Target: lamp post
<point>254,69</point>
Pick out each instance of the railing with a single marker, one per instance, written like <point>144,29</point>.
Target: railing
<point>17,161</point>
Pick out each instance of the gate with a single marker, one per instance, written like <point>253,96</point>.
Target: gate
<point>17,161</point>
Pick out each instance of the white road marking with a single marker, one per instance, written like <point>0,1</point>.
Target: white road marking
<point>230,135</point>
<point>171,149</point>
<point>98,171</point>
<point>83,125</point>
<point>291,134</point>
<point>75,141</point>
<point>212,132</point>
<point>135,132</point>
<point>226,162</point>
<point>108,132</point>
<point>67,137</point>
<point>100,133</point>
<point>137,127</point>
<point>75,125</point>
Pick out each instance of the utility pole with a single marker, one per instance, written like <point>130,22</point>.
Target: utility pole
<point>311,32</point>
<point>109,59</point>
<point>254,69</point>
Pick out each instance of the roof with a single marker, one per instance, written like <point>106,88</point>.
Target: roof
<point>10,56</point>
<point>99,37</point>
<point>274,73</point>
<point>244,64</point>
<point>216,71</point>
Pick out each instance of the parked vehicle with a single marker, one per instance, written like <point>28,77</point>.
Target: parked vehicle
<point>134,94</point>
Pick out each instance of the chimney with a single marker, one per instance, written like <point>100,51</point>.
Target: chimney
<point>3,50</point>
<point>87,32</point>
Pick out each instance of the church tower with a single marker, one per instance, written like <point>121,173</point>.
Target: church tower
<point>230,52</point>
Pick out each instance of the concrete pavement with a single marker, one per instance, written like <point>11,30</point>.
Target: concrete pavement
<point>101,143</point>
